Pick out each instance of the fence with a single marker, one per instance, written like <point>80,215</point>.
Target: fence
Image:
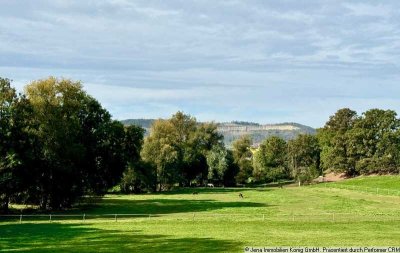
<point>372,190</point>
<point>293,217</point>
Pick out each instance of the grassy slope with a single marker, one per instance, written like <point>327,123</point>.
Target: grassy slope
<point>223,222</point>
<point>383,182</point>
<point>382,185</point>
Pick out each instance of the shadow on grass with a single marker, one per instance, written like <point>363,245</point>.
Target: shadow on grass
<point>206,190</point>
<point>161,206</point>
<point>155,203</point>
<point>78,238</point>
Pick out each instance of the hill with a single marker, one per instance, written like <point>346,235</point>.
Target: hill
<point>233,130</point>
<point>145,123</point>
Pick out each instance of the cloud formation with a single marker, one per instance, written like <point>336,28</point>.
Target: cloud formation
<point>265,61</point>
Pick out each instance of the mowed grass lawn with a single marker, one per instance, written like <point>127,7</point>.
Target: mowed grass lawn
<point>384,185</point>
<point>217,220</point>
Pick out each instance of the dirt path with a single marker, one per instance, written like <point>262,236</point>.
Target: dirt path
<point>333,177</point>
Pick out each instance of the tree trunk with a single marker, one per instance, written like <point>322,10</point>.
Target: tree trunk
<point>4,205</point>
<point>43,203</point>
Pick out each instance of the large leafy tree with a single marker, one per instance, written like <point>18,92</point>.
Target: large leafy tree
<point>177,148</point>
<point>242,157</point>
<point>217,163</point>
<point>160,151</point>
<point>303,157</point>
<point>361,145</point>
<point>375,142</point>
<point>138,176</point>
<point>202,140</point>
<point>104,142</point>
<point>231,172</point>
<point>17,145</point>
<point>9,158</point>
<point>80,150</point>
<point>334,140</point>
<point>270,160</point>
<point>56,106</point>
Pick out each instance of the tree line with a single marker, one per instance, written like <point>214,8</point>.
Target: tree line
<point>348,143</point>
<point>181,151</point>
<point>57,144</point>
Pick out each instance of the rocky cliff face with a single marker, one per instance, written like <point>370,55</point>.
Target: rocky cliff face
<point>233,130</point>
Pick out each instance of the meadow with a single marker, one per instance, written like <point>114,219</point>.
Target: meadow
<point>217,220</point>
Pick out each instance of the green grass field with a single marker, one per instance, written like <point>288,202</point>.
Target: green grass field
<point>217,220</point>
<point>383,185</point>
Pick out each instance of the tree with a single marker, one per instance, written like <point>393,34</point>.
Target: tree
<point>8,157</point>
<point>303,155</point>
<point>139,175</point>
<point>217,164</point>
<point>270,160</point>
<point>56,106</point>
<point>17,145</point>
<point>361,145</point>
<point>177,148</point>
<point>110,159</point>
<point>134,136</point>
<point>231,172</point>
<point>203,139</point>
<point>242,156</point>
<point>334,140</point>
<point>160,151</point>
<point>375,142</point>
<point>79,149</point>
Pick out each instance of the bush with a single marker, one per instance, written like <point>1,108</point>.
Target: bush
<point>381,165</point>
<point>138,178</point>
<point>306,174</point>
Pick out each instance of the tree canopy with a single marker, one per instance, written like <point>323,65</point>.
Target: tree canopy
<point>242,156</point>
<point>270,160</point>
<point>178,147</point>
<point>71,146</point>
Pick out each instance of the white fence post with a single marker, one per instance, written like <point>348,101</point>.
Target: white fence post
<point>20,218</point>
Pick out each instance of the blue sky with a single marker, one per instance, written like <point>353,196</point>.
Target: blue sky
<point>262,61</point>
